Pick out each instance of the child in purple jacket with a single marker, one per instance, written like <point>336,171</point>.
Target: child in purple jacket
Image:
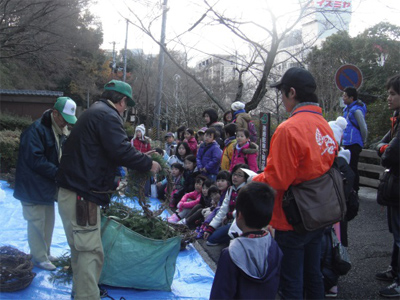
<point>209,155</point>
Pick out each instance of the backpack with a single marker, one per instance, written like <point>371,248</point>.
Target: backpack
<point>253,131</point>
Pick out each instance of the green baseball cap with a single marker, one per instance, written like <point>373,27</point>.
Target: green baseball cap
<point>67,108</point>
<point>121,87</point>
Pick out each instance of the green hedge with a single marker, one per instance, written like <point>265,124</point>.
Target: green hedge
<point>9,145</point>
<point>14,122</point>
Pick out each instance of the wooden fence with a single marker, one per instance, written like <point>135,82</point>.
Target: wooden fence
<point>369,168</point>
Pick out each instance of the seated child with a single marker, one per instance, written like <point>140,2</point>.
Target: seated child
<point>223,182</point>
<point>196,215</point>
<point>217,231</point>
<point>250,267</point>
<point>182,150</point>
<point>244,151</point>
<point>204,200</point>
<point>188,201</point>
<point>177,175</point>
<point>190,173</point>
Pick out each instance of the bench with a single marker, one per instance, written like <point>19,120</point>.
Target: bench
<point>369,168</point>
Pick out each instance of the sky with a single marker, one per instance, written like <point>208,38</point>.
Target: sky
<point>182,14</point>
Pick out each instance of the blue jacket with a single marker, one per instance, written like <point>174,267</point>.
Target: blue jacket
<point>352,134</point>
<point>209,157</point>
<point>37,163</point>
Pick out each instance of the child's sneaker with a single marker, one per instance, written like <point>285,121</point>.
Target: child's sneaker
<point>391,291</point>
<point>182,222</point>
<point>173,219</point>
<point>211,244</point>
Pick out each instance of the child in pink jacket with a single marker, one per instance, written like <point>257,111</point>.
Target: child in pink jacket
<point>188,201</point>
<point>244,151</point>
<point>191,140</point>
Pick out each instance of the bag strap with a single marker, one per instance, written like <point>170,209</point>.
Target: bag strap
<point>310,111</point>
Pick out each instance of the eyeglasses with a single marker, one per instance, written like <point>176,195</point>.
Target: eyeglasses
<point>237,175</point>
<point>61,119</point>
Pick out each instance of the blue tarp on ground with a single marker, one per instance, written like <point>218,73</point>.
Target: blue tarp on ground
<point>193,277</point>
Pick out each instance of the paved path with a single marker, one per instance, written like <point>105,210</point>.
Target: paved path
<point>370,245</point>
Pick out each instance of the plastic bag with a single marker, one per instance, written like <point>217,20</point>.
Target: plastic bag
<point>134,261</point>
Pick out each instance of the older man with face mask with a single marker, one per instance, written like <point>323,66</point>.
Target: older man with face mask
<point>35,186</point>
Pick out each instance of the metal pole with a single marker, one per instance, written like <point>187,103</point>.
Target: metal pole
<point>177,78</point>
<point>126,45</point>
<point>114,61</point>
<point>157,104</point>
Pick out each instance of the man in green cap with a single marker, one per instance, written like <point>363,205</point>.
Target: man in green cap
<point>39,154</point>
<point>98,144</point>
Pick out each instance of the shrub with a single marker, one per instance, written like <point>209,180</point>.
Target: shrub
<point>9,145</point>
<point>130,129</point>
<point>13,122</point>
<point>378,121</point>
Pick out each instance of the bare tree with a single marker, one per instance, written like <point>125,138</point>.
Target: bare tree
<point>265,45</point>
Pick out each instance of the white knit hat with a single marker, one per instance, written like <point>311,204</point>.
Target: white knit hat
<point>237,105</point>
<point>141,128</point>
<point>338,127</point>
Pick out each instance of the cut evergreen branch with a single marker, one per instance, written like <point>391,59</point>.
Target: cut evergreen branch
<point>135,186</point>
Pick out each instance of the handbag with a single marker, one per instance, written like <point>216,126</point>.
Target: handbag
<point>388,189</point>
<point>315,203</point>
<point>341,259</point>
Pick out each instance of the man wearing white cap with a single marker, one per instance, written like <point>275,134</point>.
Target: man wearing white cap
<point>39,155</point>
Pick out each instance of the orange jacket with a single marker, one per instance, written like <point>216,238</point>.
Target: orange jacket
<point>302,148</point>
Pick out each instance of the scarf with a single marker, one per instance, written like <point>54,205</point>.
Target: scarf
<point>238,112</point>
<point>59,135</point>
<point>238,148</point>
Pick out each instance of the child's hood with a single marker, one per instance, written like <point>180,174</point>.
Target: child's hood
<point>249,148</point>
<point>250,255</point>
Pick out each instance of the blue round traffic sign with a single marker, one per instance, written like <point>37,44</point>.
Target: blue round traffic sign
<point>348,75</point>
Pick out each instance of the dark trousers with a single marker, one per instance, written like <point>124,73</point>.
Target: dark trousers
<point>355,151</point>
<point>195,216</point>
<point>393,214</point>
<point>301,264</point>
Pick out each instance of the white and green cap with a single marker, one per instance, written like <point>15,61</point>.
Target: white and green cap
<point>67,108</point>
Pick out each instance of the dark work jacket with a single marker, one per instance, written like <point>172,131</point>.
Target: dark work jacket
<point>97,145</point>
<point>37,163</point>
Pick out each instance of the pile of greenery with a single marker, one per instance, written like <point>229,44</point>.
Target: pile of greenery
<point>136,220</point>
